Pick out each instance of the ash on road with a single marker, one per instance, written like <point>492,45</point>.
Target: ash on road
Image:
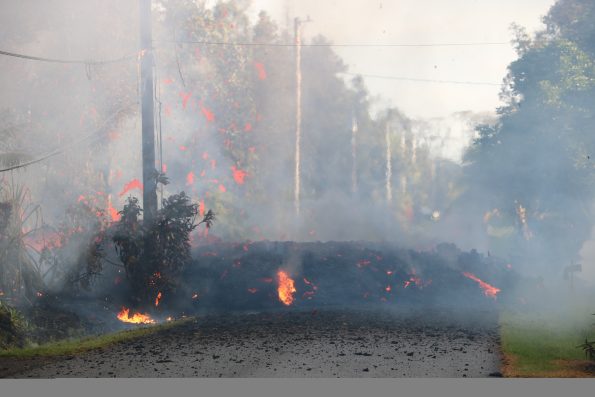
<point>325,343</point>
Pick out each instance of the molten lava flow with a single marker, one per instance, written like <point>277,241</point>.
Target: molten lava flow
<point>136,318</point>
<point>158,298</point>
<point>285,288</point>
<point>133,184</point>
<point>488,289</point>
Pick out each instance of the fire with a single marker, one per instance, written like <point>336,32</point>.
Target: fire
<point>190,178</point>
<point>262,74</point>
<point>136,318</point>
<point>113,213</point>
<point>488,289</point>
<point>285,288</point>
<point>207,113</point>
<point>158,298</point>
<point>238,175</point>
<point>133,184</point>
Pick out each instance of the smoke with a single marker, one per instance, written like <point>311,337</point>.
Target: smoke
<point>226,125</point>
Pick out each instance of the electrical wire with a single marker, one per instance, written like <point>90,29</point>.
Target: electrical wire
<point>71,61</point>
<point>91,136</point>
<point>225,43</point>
<point>419,80</point>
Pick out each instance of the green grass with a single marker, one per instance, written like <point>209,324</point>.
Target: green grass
<point>74,346</point>
<point>544,343</point>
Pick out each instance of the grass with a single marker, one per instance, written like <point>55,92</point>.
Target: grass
<point>544,344</point>
<point>75,346</point>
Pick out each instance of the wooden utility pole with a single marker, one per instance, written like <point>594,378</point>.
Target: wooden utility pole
<point>298,111</point>
<point>148,121</point>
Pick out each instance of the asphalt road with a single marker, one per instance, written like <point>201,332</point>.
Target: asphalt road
<point>329,343</point>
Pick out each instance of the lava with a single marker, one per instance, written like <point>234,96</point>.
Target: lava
<point>238,175</point>
<point>190,178</point>
<point>133,184</point>
<point>488,290</point>
<point>136,318</point>
<point>286,288</point>
<point>262,73</point>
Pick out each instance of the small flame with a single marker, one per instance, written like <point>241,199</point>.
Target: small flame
<point>286,288</point>
<point>157,299</point>
<point>488,290</point>
<point>136,318</point>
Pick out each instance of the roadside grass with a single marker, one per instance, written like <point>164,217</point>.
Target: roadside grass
<point>75,346</point>
<point>544,344</point>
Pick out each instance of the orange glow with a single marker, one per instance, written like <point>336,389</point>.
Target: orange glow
<point>488,289</point>
<point>238,175</point>
<point>113,213</point>
<point>133,184</point>
<point>388,288</point>
<point>262,73</point>
<point>207,113</point>
<point>136,318</point>
<point>252,290</point>
<point>185,97</point>
<point>158,299</point>
<point>190,178</point>
<point>285,288</point>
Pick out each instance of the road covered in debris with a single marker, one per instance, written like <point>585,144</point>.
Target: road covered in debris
<point>294,343</point>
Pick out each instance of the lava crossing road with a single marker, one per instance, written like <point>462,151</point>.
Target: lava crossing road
<point>325,343</point>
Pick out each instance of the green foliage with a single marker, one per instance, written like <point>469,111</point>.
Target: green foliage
<point>536,159</point>
<point>153,255</point>
<point>13,327</point>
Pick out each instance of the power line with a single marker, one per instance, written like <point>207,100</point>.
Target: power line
<point>60,150</point>
<point>373,76</point>
<point>227,43</point>
<point>70,61</point>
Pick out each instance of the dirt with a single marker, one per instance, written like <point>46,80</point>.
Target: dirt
<point>304,344</point>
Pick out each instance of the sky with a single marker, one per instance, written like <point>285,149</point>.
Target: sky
<point>420,21</point>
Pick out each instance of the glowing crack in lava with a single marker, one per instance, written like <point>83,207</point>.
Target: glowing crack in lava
<point>136,318</point>
<point>286,288</point>
<point>488,289</point>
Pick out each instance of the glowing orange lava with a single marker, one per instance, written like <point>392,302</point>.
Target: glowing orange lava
<point>133,184</point>
<point>488,289</point>
<point>136,318</point>
<point>190,178</point>
<point>158,298</point>
<point>238,175</point>
<point>286,288</point>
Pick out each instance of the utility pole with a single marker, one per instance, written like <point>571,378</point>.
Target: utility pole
<point>354,129</point>
<point>389,168</point>
<point>298,111</point>
<point>148,121</point>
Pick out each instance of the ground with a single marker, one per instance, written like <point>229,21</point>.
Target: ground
<point>291,343</point>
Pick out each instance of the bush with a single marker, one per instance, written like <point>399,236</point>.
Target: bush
<point>13,327</point>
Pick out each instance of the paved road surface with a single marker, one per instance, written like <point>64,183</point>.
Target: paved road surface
<point>329,343</point>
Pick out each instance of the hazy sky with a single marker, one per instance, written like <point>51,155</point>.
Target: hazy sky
<point>421,21</point>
